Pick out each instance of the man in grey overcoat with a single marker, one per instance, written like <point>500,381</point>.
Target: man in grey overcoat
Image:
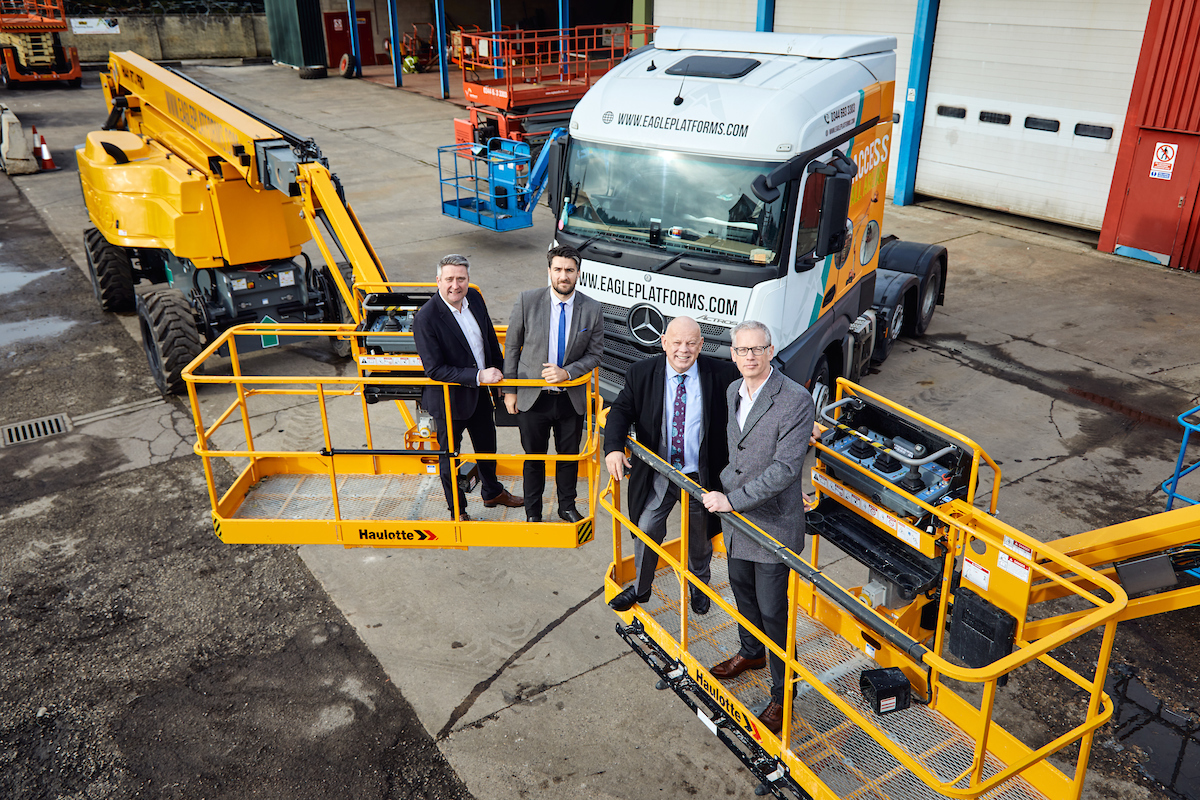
<point>770,425</point>
<point>556,334</point>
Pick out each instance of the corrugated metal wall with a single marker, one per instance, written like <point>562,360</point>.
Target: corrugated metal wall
<point>1166,99</point>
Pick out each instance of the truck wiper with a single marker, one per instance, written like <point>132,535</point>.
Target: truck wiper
<point>659,267</point>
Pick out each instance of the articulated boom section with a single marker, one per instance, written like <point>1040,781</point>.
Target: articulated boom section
<point>895,661</point>
<point>346,469</point>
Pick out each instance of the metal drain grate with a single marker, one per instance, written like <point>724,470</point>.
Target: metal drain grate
<point>34,429</point>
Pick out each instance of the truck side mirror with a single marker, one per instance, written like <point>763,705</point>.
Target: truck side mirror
<point>835,205</point>
<point>554,170</point>
<point>835,202</point>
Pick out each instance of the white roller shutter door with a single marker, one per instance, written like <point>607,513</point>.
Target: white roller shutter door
<point>1026,104</point>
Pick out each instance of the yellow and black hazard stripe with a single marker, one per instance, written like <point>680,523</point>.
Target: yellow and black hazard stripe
<point>584,533</point>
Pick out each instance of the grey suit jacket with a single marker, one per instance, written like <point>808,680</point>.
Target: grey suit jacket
<point>527,344</point>
<point>763,480</point>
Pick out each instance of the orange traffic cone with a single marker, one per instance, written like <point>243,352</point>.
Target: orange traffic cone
<point>42,152</point>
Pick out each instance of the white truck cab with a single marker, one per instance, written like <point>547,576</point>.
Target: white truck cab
<point>729,176</point>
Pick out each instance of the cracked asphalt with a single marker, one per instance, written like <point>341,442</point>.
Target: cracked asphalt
<point>149,660</point>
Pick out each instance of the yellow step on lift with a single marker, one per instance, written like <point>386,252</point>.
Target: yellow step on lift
<point>892,683</point>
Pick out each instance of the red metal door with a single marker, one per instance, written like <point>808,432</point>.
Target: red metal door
<point>337,37</point>
<point>1160,187</point>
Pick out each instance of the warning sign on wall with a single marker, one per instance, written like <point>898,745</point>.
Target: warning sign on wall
<point>1163,163</point>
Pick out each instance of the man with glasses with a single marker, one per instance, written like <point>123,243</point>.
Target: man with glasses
<point>769,429</point>
<point>675,404</point>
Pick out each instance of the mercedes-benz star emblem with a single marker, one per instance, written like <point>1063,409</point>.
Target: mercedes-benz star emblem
<point>647,324</point>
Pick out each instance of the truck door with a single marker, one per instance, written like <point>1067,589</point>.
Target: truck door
<point>806,277</point>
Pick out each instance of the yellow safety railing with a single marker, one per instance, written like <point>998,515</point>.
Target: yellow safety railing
<point>335,462</point>
<point>996,756</point>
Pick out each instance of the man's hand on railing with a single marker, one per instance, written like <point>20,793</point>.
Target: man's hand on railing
<point>617,463</point>
<point>490,375</point>
<point>716,502</point>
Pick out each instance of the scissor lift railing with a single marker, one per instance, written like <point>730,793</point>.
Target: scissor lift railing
<point>42,15</point>
<point>340,492</point>
<point>833,744</point>
<point>515,69</point>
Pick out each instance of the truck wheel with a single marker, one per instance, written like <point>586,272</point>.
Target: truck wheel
<point>924,312</point>
<point>819,384</point>
<point>110,270</point>
<point>169,336</point>
<point>313,73</point>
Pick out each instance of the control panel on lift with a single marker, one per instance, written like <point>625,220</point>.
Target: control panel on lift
<point>380,352</point>
<point>885,463</point>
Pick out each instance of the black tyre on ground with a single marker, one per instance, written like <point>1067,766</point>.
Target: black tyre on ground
<point>922,310</point>
<point>111,272</point>
<point>169,336</point>
<point>313,73</point>
<point>348,66</point>
<point>75,83</point>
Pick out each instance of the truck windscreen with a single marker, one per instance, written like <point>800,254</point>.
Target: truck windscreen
<point>679,202</point>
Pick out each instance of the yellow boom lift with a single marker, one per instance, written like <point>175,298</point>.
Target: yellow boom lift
<point>892,680</point>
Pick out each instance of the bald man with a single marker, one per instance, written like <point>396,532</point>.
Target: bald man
<point>675,405</point>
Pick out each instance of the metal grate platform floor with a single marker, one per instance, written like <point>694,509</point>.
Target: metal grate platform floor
<point>843,756</point>
<point>381,497</point>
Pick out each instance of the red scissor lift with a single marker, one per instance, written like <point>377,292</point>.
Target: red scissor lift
<point>523,84</point>
<point>30,48</point>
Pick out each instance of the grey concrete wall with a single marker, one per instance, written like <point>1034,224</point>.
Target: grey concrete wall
<point>177,37</point>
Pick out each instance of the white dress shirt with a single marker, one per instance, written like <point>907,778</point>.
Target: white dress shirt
<point>470,328</point>
<point>748,399</point>
<point>693,416</point>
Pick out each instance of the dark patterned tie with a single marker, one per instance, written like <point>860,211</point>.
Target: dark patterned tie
<point>678,420</point>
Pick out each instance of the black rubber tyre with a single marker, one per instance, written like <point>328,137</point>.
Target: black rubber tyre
<point>313,73</point>
<point>923,313</point>
<point>169,336</point>
<point>348,66</point>
<point>111,272</point>
<point>6,82</point>
<point>820,385</point>
<point>890,331</point>
<point>75,83</point>
<point>336,312</point>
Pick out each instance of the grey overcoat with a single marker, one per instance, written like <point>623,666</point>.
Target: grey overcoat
<point>763,480</point>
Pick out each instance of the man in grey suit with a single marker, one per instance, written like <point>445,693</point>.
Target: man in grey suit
<point>770,425</point>
<point>556,334</point>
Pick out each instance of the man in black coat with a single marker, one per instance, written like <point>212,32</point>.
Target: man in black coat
<point>675,404</point>
<point>458,345</point>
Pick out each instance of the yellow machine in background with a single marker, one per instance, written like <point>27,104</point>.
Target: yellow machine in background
<point>893,681</point>
<point>211,205</point>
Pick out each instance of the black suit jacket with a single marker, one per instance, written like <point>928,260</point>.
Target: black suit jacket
<point>446,356</point>
<point>638,409</point>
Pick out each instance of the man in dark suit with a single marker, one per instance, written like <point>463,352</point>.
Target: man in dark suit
<point>458,345</point>
<point>555,334</point>
<point>675,404</point>
<point>770,427</point>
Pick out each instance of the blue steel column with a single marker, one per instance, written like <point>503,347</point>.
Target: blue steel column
<point>497,23</point>
<point>394,35</point>
<point>564,22</point>
<point>564,13</point>
<point>766,16</point>
<point>443,67</point>
<point>354,38</point>
<point>914,102</point>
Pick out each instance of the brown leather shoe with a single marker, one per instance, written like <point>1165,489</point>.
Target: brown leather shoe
<point>732,667</point>
<point>772,717</point>
<point>505,498</point>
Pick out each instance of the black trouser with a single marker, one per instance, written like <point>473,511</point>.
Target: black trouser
<point>552,411</point>
<point>760,591</point>
<point>653,523</point>
<point>482,427</point>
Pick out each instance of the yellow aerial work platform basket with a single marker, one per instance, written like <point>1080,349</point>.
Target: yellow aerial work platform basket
<point>346,469</point>
<point>940,738</point>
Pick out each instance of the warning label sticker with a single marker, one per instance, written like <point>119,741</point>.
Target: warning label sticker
<point>1163,163</point>
<point>976,573</point>
<point>1012,566</point>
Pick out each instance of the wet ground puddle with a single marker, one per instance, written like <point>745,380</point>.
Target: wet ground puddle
<point>1170,740</point>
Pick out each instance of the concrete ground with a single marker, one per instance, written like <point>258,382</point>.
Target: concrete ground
<point>1065,364</point>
